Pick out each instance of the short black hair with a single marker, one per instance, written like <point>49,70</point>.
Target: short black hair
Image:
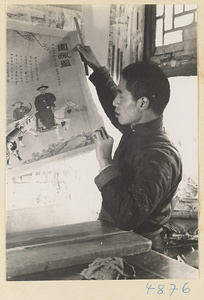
<point>148,80</point>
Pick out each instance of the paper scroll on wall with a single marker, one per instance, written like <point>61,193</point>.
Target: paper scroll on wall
<point>41,125</point>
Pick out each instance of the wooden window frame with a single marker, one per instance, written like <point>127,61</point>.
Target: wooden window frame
<point>178,59</point>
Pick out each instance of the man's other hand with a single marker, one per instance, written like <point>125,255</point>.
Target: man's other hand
<point>104,145</point>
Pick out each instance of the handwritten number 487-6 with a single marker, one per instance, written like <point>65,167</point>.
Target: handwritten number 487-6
<point>161,288</point>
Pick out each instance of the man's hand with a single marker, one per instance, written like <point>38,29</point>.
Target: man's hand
<point>88,56</point>
<point>104,145</point>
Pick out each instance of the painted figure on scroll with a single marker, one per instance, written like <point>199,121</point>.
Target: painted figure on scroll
<point>138,183</point>
<point>20,110</point>
<point>44,104</point>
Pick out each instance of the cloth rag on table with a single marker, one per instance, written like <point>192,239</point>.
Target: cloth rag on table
<point>109,269</point>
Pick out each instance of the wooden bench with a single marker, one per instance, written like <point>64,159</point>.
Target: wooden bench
<point>61,253</point>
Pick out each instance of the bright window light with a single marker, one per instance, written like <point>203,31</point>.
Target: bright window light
<point>160,10</point>
<point>173,37</point>
<point>178,8</point>
<point>180,120</point>
<point>184,20</point>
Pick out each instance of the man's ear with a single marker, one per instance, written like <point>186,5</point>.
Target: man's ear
<point>143,103</point>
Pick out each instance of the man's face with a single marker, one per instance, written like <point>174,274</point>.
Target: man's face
<point>43,91</point>
<point>126,108</point>
<point>17,105</point>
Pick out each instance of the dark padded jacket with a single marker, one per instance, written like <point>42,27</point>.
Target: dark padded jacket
<point>137,189</point>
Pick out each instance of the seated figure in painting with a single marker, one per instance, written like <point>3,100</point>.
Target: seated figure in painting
<point>44,104</point>
<point>20,110</point>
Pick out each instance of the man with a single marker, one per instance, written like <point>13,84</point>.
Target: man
<point>20,110</point>
<point>138,184</point>
<point>44,104</point>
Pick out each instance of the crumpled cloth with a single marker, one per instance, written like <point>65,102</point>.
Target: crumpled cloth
<point>109,269</point>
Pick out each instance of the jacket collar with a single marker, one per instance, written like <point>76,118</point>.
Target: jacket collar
<point>148,128</point>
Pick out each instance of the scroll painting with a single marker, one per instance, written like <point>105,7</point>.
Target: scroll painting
<point>49,110</point>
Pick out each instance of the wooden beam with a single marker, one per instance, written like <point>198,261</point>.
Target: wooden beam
<point>55,248</point>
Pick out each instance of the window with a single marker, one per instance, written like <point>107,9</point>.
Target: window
<point>172,21</point>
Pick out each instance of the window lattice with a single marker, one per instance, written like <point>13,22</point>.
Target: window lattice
<point>171,21</point>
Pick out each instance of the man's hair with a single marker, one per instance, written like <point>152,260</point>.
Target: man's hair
<point>148,80</point>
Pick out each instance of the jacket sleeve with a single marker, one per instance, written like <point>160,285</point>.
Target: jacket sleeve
<point>51,99</point>
<point>107,91</point>
<point>38,105</point>
<point>130,204</point>
<point>27,109</point>
<point>15,115</point>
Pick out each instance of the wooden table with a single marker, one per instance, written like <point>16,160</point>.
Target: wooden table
<point>61,253</point>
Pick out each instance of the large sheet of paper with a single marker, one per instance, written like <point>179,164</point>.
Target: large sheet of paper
<point>49,107</point>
